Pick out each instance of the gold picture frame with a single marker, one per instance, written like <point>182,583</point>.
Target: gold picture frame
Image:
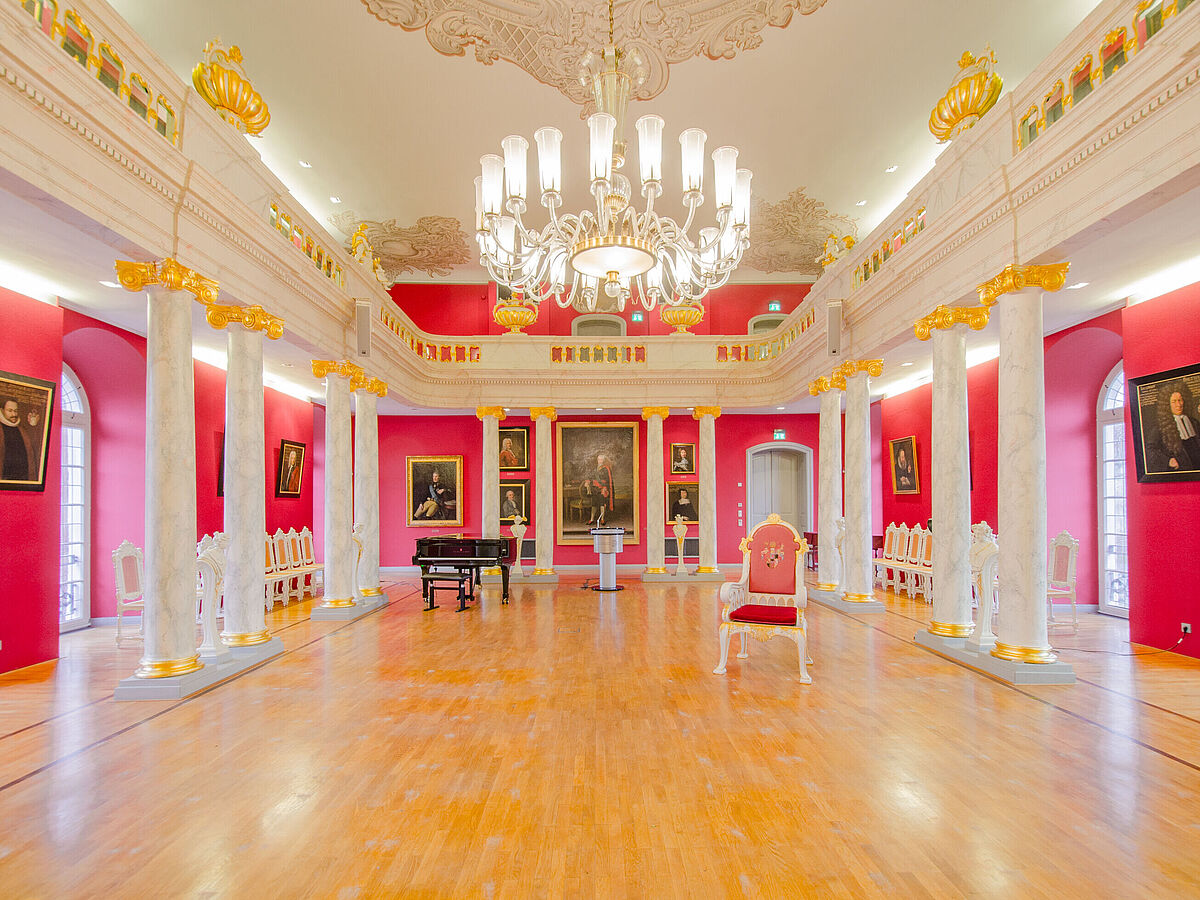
<point>903,455</point>
<point>433,487</point>
<point>594,458</point>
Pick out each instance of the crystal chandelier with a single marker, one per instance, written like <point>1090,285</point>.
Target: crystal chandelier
<point>594,261</point>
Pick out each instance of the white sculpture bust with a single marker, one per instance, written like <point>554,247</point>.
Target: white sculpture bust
<point>680,530</point>
<point>518,531</point>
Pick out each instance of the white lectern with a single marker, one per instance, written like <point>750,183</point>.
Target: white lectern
<point>608,542</point>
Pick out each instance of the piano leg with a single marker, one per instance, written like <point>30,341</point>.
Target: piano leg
<point>504,582</point>
<point>462,594</point>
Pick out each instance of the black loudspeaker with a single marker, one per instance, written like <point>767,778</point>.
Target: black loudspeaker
<point>362,327</point>
<point>833,327</point>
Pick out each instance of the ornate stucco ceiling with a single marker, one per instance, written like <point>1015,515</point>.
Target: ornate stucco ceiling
<point>433,245</point>
<point>789,236</point>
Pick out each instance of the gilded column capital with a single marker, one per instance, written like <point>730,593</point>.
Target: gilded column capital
<point>834,382</point>
<point>482,412</point>
<point>943,317</point>
<point>548,412</point>
<point>170,274</point>
<point>253,318</point>
<point>701,411</point>
<point>873,367</point>
<point>1015,278</point>
<point>376,386</point>
<point>322,368</point>
<point>649,412</point>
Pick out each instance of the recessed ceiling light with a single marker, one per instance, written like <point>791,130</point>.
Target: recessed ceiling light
<point>890,169</point>
<point>691,408</point>
<point>335,199</point>
<point>305,165</point>
<point>287,365</point>
<point>1077,285</point>
<point>905,364</point>
<point>861,203</point>
<point>599,409</point>
<point>110,284</point>
<point>779,407</point>
<point>507,409</point>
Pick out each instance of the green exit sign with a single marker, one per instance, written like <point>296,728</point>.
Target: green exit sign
<point>779,435</point>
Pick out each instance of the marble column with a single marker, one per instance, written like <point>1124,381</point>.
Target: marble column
<point>829,496</point>
<point>1021,632</point>
<point>543,423</point>
<point>245,476</point>
<point>708,487</point>
<point>339,544</point>
<point>491,416</point>
<point>656,563</point>
<point>169,615</point>
<point>858,580</point>
<point>950,475</point>
<point>366,484</point>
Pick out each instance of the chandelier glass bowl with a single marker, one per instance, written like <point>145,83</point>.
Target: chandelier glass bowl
<point>598,259</point>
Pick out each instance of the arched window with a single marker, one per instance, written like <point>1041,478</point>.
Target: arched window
<point>598,325</point>
<point>1110,472</point>
<point>74,604</point>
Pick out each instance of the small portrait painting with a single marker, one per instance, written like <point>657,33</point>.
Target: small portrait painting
<point>514,501</point>
<point>683,459</point>
<point>904,466</point>
<point>683,499</point>
<point>514,449</point>
<point>290,472</point>
<point>1165,410</point>
<point>26,405</point>
<point>433,490</point>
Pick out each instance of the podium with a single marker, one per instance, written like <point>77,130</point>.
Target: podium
<point>608,542</point>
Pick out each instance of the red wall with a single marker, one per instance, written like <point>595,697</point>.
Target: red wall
<point>29,519</point>
<point>466,309</point>
<point>1164,541</point>
<point>1077,362</point>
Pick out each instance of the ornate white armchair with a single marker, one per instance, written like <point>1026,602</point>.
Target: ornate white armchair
<point>770,597</point>
<point>130,565</point>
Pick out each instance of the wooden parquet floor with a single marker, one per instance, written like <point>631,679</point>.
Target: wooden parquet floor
<point>575,744</point>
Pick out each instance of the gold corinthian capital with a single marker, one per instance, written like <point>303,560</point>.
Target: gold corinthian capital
<point>135,276</point>
<point>1015,278</point>
<point>943,317</point>
<point>322,368</point>
<point>546,412</point>
<point>701,411</point>
<point>253,318</point>
<point>873,367</point>
<point>482,412</point>
<point>834,382</point>
<point>649,412</point>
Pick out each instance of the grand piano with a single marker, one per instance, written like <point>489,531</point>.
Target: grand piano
<point>450,559</point>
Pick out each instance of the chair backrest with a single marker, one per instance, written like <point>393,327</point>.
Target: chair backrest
<point>889,541</point>
<point>295,551</point>
<point>903,539</point>
<point>129,564</point>
<point>270,564</point>
<point>1064,551</point>
<point>774,556</point>
<point>282,558</point>
<point>916,544</point>
<point>306,543</point>
<point>927,551</point>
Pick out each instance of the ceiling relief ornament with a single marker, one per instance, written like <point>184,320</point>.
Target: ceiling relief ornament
<point>433,245</point>
<point>790,236</point>
<point>549,38</point>
<point>974,90</point>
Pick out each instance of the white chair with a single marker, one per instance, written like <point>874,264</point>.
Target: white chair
<point>912,562</point>
<point>889,554</point>
<point>1060,577</point>
<point>130,565</point>
<point>924,573</point>
<point>272,583</point>
<point>285,578</point>
<point>309,557</point>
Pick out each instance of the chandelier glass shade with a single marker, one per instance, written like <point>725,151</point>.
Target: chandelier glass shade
<point>597,259</point>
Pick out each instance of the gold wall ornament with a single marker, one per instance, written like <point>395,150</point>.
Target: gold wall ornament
<point>515,314</point>
<point>170,274</point>
<point>222,82</point>
<point>253,318</point>
<point>322,368</point>
<point>1015,278</point>
<point>547,412</point>
<point>834,382</point>
<point>482,412</point>
<point>682,316</point>
<point>873,367</point>
<point>943,317</point>
<point>701,411</point>
<point>649,412</point>
<point>974,90</point>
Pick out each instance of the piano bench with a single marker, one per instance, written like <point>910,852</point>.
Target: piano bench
<point>458,580</point>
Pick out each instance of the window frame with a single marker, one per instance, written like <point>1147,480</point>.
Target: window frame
<point>82,421</point>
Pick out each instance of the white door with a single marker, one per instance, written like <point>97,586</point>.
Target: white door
<point>779,479</point>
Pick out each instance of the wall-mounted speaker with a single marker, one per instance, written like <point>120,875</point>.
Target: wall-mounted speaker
<point>833,327</point>
<point>362,327</point>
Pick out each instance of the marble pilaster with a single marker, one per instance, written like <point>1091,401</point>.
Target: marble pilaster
<point>655,490</point>
<point>858,579</point>
<point>339,551</point>
<point>366,483</point>
<point>543,424</point>
<point>707,415</point>
<point>829,494</point>
<point>491,416</point>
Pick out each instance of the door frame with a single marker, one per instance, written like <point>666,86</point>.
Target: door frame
<point>808,458</point>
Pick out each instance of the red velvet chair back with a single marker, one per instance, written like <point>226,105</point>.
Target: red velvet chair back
<point>772,560</point>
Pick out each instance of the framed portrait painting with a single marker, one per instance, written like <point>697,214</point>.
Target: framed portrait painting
<point>514,501</point>
<point>683,499</point>
<point>514,449</point>
<point>683,459</point>
<point>433,484</point>
<point>904,466</point>
<point>1165,410</point>
<point>289,472</point>
<point>598,480</point>
<point>26,406</point>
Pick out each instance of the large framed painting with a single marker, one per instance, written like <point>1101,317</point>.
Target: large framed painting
<point>597,480</point>
<point>514,449</point>
<point>904,466</point>
<point>289,472</point>
<point>26,405</point>
<point>514,501</point>
<point>683,459</point>
<point>433,490</point>
<point>683,499</point>
<point>1165,409</point>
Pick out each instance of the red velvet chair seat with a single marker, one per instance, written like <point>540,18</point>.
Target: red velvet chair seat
<point>764,614</point>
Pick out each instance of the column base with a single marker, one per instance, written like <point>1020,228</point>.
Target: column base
<point>951,629</point>
<point>537,576</point>
<point>371,592</point>
<point>349,613</point>
<point>169,668</point>
<point>176,687</point>
<point>335,603</point>
<point>956,650</point>
<point>549,571</point>
<point>655,570</point>
<point>836,600</point>
<point>1039,655</point>
<point>245,639</point>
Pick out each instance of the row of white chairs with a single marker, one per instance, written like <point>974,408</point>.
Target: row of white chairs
<point>907,561</point>
<point>290,566</point>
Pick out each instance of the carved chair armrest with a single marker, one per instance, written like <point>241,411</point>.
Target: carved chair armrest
<point>733,595</point>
